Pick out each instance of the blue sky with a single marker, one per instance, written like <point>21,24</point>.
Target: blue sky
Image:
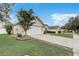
<point>49,13</point>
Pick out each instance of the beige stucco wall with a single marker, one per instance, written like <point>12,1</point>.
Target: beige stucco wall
<point>2,28</point>
<point>17,29</point>
<point>33,30</point>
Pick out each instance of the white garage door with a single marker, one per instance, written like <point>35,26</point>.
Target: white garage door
<point>35,30</point>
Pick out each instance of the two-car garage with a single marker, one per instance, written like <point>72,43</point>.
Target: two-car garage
<point>35,30</point>
<point>32,31</point>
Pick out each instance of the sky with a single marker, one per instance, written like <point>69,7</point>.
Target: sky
<point>50,13</point>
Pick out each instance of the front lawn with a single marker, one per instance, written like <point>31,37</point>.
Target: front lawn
<point>9,46</point>
<point>67,35</point>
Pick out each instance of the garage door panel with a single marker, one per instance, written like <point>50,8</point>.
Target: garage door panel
<point>35,30</point>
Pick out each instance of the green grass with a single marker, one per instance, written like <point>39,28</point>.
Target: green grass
<point>9,46</point>
<point>67,35</point>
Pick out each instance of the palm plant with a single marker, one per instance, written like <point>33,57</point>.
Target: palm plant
<point>25,19</point>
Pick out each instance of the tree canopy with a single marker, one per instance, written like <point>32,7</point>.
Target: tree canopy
<point>73,23</point>
<point>25,18</point>
<point>5,9</point>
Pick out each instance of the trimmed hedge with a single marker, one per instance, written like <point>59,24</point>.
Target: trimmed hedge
<point>51,32</point>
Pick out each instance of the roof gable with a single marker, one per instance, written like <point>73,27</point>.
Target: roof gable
<point>38,22</point>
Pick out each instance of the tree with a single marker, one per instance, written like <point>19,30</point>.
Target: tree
<point>5,9</point>
<point>25,19</point>
<point>73,23</point>
<point>8,28</point>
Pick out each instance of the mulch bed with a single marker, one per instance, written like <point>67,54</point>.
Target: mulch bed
<point>27,37</point>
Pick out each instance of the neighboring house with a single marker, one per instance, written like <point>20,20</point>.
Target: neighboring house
<point>55,29</point>
<point>2,28</point>
<point>36,28</point>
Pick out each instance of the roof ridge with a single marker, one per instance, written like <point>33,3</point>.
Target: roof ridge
<point>39,20</point>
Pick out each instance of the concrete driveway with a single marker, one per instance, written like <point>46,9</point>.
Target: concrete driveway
<point>55,39</point>
<point>67,42</point>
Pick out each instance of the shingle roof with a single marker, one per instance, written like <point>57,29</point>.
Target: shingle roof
<point>53,27</point>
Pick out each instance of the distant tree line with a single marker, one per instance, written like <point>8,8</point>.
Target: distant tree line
<point>72,24</point>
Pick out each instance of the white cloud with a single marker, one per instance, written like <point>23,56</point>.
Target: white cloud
<point>13,19</point>
<point>60,19</point>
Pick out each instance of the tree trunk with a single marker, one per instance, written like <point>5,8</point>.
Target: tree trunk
<point>25,32</point>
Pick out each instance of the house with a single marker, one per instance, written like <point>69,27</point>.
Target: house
<point>36,28</point>
<point>55,29</point>
<point>2,28</point>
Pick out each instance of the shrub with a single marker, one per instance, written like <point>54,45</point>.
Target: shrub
<point>19,35</point>
<point>8,28</point>
<point>59,31</point>
<point>51,32</point>
<point>45,31</point>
